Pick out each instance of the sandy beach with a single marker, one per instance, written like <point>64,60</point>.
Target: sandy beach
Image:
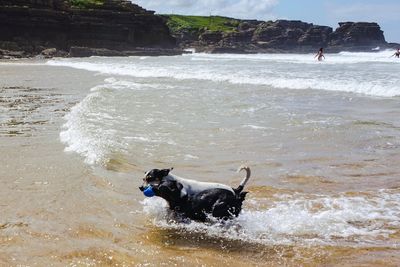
<point>58,210</point>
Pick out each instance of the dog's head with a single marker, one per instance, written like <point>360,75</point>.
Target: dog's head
<point>154,177</point>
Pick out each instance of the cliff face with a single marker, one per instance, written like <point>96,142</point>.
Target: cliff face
<point>107,27</point>
<point>34,25</point>
<point>283,36</point>
<point>357,34</point>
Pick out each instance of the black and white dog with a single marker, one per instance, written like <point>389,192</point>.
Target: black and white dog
<point>196,200</point>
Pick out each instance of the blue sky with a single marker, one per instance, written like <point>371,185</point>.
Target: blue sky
<point>323,12</point>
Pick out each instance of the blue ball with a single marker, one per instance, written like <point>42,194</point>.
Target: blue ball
<point>148,192</point>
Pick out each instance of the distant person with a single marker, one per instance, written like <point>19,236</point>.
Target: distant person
<point>397,53</point>
<point>320,54</point>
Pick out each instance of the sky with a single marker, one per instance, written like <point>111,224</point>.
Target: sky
<point>322,12</point>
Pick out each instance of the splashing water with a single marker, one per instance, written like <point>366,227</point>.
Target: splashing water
<point>300,220</point>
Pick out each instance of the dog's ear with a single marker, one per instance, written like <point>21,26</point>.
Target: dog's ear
<point>165,172</point>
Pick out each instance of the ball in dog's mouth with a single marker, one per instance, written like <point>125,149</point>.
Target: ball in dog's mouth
<point>147,191</point>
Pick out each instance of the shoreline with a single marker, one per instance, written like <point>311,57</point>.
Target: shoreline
<point>88,52</point>
<point>82,52</point>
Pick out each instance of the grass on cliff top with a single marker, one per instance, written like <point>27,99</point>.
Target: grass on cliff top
<point>86,3</point>
<point>194,23</point>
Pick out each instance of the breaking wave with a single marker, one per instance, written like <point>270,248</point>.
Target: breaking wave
<point>346,72</point>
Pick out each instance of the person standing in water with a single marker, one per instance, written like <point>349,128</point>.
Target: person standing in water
<point>397,53</point>
<point>320,54</point>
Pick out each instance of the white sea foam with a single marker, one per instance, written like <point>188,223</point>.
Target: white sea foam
<point>268,70</point>
<point>87,130</point>
<point>115,83</point>
<point>98,126</point>
<point>307,219</point>
<point>81,136</point>
<point>255,127</point>
<point>340,58</point>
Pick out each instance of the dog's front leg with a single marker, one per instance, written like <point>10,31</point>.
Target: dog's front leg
<point>171,192</point>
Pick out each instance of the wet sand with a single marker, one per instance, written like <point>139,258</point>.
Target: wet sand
<point>57,211</point>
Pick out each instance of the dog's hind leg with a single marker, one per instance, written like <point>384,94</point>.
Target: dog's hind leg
<point>223,210</point>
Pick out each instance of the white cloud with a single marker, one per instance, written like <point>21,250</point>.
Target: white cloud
<point>386,15</point>
<point>364,11</point>
<point>261,9</point>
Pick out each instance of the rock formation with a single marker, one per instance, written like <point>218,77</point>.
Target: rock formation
<point>251,36</point>
<point>32,26</point>
<point>118,28</point>
<point>361,34</point>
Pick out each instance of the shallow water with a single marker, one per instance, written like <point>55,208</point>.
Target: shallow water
<point>210,113</point>
<point>322,139</point>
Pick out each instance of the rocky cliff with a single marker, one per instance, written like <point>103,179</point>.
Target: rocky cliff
<point>361,34</point>
<point>29,27</point>
<point>120,28</point>
<point>251,36</point>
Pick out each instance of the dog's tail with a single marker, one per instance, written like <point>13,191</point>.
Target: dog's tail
<point>245,179</point>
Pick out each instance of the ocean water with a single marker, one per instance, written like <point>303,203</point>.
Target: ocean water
<point>322,139</point>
